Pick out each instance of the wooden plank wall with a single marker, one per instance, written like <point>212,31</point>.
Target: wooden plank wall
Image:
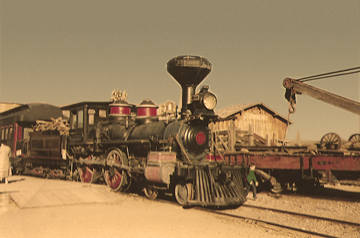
<point>254,122</point>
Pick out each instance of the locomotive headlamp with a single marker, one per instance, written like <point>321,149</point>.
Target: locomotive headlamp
<point>209,101</point>
<point>203,102</point>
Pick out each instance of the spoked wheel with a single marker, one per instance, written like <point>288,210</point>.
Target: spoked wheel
<point>116,178</point>
<point>183,193</point>
<point>150,192</point>
<point>330,141</point>
<point>355,138</point>
<point>87,174</point>
<point>355,141</point>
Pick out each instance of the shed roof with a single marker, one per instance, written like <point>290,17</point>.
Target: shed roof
<point>234,109</point>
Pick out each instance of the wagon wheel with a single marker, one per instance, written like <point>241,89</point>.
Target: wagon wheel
<point>150,192</point>
<point>183,193</point>
<point>330,141</point>
<point>87,175</point>
<point>116,178</point>
<point>355,140</point>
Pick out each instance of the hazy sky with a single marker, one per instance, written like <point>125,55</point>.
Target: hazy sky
<point>66,51</point>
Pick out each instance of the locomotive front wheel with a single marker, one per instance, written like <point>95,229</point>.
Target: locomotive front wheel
<point>87,175</point>
<point>330,141</point>
<point>183,193</point>
<point>150,192</point>
<point>116,178</point>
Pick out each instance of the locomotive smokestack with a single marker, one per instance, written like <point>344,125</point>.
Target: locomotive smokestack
<point>189,71</point>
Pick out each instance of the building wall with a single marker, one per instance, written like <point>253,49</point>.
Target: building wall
<point>264,124</point>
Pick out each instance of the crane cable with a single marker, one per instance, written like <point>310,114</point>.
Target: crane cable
<point>315,77</point>
<point>330,74</point>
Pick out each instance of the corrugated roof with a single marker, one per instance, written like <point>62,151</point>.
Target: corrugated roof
<point>234,109</point>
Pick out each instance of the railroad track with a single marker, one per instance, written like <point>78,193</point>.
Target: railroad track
<point>299,224</point>
<point>284,220</point>
<point>294,217</point>
<point>341,196</point>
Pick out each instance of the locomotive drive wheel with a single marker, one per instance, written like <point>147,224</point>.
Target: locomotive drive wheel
<point>115,178</point>
<point>183,193</point>
<point>87,175</point>
<point>330,141</point>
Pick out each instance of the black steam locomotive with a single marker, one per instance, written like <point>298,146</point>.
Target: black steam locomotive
<point>129,145</point>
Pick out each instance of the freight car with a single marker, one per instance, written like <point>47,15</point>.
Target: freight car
<point>16,126</point>
<point>128,145</point>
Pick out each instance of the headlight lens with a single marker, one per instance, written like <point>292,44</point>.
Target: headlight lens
<point>210,101</point>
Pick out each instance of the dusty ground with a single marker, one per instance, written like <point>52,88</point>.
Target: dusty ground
<point>334,209</point>
<point>136,216</point>
<point>133,217</point>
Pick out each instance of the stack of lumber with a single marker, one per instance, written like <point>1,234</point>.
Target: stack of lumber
<point>61,125</point>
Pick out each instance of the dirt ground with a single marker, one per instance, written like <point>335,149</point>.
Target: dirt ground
<point>136,216</point>
<point>133,217</point>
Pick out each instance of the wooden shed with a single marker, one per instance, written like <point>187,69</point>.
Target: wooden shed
<point>251,124</point>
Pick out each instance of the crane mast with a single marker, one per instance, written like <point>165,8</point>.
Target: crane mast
<point>294,87</point>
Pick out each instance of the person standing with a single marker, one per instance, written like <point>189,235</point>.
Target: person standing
<point>251,181</point>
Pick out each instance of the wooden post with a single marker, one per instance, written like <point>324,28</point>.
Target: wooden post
<point>251,135</point>
<point>267,140</point>
<point>274,142</point>
<point>231,136</point>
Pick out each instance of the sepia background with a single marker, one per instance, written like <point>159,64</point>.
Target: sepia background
<point>62,52</point>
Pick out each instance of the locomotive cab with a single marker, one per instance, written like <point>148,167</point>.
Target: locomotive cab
<point>83,118</point>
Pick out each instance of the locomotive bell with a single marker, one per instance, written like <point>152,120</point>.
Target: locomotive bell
<point>189,71</point>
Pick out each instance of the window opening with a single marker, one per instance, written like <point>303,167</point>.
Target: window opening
<point>91,116</point>
<point>26,133</point>
<point>10,132</point>
<point>73,120</point>
<point>80,116</point>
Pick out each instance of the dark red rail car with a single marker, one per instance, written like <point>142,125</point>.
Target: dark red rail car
<point>284,170</point>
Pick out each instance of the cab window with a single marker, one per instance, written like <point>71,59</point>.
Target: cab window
<point>80,115</point>
<point>73,120</point>
<point>91,116</point>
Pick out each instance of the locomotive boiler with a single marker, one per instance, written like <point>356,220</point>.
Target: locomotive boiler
<point>132,146</point>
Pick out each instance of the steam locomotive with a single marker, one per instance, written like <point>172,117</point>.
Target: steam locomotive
<point>128,145</point>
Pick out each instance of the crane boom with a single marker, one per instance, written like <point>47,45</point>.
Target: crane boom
<point>294,87</point>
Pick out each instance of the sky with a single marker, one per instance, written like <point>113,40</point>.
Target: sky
<point>67,51</point>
